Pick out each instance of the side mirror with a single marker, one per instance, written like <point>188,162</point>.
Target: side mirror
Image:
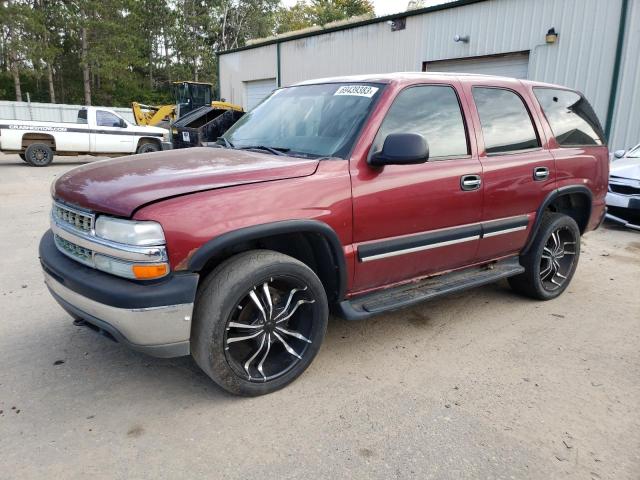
<point>619,153</point>
<point>123,124</point>
<point>401,149</point>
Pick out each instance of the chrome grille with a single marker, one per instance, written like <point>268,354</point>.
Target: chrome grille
<point>79,220</point>
<point>81,254</point>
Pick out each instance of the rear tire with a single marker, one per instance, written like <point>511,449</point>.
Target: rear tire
<point>148,147</point>
<point>552,259</point>
<point>38,155</point>
<point>259,320</point>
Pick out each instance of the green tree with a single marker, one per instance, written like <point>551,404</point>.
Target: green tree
<point>48,25</point>
<point>117,51</point>
<point>21,31</point>
<point>239,21</point>
<point>327,11</point>
<point>307,13</point>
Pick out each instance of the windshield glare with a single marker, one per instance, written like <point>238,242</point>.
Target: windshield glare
<point>308,120</point>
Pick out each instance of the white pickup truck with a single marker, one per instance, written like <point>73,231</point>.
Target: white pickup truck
<point>97,131</point>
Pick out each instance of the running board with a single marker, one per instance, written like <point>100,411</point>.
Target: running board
<point>405,295</point>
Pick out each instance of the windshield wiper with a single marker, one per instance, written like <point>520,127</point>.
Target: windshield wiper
<point>226,143</point>
<point>310,156</point>
<point>274,150</point>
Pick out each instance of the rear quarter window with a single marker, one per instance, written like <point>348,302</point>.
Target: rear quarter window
<point>570,116</point>
<point>82,117</point>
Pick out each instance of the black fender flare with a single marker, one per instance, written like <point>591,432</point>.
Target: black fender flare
<point>549,199</point>
<point>227,240</point>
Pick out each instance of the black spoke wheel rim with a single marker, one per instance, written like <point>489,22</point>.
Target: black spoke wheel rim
<point>270,329</point>
<point>40,156</point>
<point>557,259</point>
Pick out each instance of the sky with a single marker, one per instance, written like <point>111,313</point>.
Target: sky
<point>383,7</point>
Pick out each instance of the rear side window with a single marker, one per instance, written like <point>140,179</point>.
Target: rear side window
<point>432,111</point>
<point>506,123</point>
<point>82,117</point>
<point>570,116</point>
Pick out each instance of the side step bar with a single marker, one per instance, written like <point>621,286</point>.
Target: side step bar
<point>391,299</point>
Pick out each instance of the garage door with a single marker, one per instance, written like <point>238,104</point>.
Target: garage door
<point>510,65</point>
<point>257,90</point>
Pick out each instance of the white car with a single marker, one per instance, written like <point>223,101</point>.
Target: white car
<point>97,131</point>
<point>623,198</point>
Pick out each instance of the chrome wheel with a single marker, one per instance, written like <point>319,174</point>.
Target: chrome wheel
<point>270,329</point>
<point>557,259</point>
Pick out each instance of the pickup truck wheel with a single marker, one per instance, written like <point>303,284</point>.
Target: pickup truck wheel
<point>551,260</point>
<point>148,147</point>
<point>38,155</point>
<point>259,321</point>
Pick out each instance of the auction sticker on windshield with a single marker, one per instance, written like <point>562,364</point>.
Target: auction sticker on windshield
<point>357,90</point>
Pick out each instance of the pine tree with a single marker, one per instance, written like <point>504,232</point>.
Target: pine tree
<point>117,51</point>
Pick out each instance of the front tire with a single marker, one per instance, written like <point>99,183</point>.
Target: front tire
<point>148,147</point>
<point>259,321</point>
<point>38,155</point>
<point>552,259</point>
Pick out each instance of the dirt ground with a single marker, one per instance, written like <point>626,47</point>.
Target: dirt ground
<point>483,384</point>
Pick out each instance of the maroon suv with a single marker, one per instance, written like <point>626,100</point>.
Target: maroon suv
<point>360,194</point>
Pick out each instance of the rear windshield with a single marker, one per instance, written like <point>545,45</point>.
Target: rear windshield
<point>572,120</point>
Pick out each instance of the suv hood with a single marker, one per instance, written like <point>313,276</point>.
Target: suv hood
<point>626,167</point>
<point>120,186</point>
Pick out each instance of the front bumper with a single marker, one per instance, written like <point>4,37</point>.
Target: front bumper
<point>624,209</point>
<point>151,317</point>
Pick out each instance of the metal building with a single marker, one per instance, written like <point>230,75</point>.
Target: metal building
<point>597,51</point>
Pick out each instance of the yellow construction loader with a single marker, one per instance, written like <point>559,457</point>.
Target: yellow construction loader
<point>189,96</point>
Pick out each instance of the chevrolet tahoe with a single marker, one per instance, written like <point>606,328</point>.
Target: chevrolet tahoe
<point>356,195</point>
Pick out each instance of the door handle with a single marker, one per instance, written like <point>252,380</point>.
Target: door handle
<point>540,174</point>
<point>470,182</point>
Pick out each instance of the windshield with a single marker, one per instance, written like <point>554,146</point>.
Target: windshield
<point>201,94</point>
<point>308,120</point>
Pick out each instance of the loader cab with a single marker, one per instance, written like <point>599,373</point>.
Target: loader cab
<point>191,95</point>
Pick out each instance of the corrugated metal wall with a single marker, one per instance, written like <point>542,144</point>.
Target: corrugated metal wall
<point>248,65</point>
<point>50,112</point>
<point>626,117</point>
<point>369,49</point>
<point>583,57</point>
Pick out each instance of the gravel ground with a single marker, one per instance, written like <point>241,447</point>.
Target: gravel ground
<point>483,384</point>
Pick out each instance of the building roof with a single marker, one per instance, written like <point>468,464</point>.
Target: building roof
<point>349,26</point>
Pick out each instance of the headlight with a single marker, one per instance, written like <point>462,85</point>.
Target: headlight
<point>166,136</point>
<point>129,232</point>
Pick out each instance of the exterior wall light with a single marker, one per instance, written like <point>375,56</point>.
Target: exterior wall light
<point>551,36</point>
<point>460,38</point>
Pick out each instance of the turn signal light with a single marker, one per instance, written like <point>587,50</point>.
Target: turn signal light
<point>148,272</point>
